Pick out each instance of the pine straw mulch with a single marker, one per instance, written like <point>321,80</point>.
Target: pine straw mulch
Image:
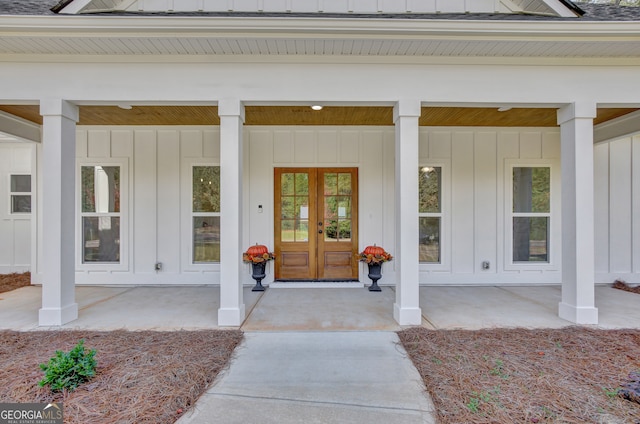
<point>570,375</point>
<point>14,281</point>
<point>142,377</point>
<point>621,285</point>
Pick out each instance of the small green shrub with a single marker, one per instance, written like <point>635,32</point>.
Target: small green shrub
<point>67,370</point>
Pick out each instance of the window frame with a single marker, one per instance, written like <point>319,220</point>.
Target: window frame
<point>187,212</point>
<point>123,265</point>
<point>554,237</point>
<point>19,193</point>
<point>444,215</point>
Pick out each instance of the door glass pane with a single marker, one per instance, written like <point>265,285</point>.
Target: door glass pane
<point>21,203</point>
<point>330,230</point>
<point>206,239</point>
<point>286,230</point>
<point>302,231</point>
<point>531,189</point>
<point>344,230</point>
<point>287,184</point>
<point>344,184</point>
<point>429,239</point>
<point>330,207</point>
<point>100,239</point>
<point>302,184</point>
<point>429,187</point>
<point>344,207</point>
<point>21,183</point>
<point>302,207</point>
<point>100,187</point>
<point>531,239</point>
<point>330,184</point>
<point>287,207</point>
<point>206,189</point>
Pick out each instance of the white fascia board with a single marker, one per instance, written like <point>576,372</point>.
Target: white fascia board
<point>560,8</point>
<point>19,128</point>
<point>616,128</point>
<point>136,27</point>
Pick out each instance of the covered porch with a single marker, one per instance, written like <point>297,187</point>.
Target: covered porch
<point>138,308</point>
<point>476,117</point>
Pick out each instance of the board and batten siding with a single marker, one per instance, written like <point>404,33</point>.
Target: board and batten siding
<point>617,208</point>
<point>476,171</point>
<point>15,229</point>
<point>158,161</point>
<point>156,222</point>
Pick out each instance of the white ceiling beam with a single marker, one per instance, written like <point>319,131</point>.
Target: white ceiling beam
<point>618,127</point>
<point>19,128</point>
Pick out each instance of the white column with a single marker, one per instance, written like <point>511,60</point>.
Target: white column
<point>232,309</point>
<point>58,210</point>
<point>578,252</point>
<point>406,310</point>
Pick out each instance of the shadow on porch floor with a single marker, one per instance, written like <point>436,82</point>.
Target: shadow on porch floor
<point>188,307</point>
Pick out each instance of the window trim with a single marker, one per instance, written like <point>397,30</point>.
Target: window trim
<point>19,193</point>
<point>444,214</point>
<point>188,215</point>
<point>554,228</point>
<point>124,213</point>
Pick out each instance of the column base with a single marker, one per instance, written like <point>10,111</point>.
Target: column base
<point>57,316</point>
<point>231,317</point>
<point>407,316</point>
<point>577,314</point>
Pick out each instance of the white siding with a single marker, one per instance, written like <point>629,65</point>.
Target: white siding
<point>157,159</point>
<point>617,206</point>
<point>159,162</point>
<point>15,229</point>
<point>478,158</point>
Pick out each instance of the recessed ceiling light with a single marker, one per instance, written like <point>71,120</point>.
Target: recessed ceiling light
<point>125,106</point>
<point>504,108</point>
<point>316,107</point>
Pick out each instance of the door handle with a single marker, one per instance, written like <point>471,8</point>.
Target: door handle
<point>319,231</point>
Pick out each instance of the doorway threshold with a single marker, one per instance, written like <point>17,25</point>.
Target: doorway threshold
<point>316,285</point>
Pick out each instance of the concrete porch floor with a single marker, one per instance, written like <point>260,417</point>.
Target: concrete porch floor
<point>325,309</point>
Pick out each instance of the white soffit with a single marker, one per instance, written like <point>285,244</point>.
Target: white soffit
<point>107,36</point>
<point>544,7</point>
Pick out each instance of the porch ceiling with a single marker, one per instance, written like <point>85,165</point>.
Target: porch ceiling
<point>303,115</point>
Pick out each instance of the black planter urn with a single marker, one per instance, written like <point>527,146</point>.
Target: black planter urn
<point>375,273</point>
<point>258,273</point>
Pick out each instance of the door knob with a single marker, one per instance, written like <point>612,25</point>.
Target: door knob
<point>320,224</point>
<point>319,231</point>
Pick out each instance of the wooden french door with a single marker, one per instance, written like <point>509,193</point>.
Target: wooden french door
<point>316,223</point>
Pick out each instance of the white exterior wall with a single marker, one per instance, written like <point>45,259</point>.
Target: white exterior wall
<point>617,206</point>
<point>15,229</point>
<point>156,182</point>
<point>155,189</point>
<point>476,183</point>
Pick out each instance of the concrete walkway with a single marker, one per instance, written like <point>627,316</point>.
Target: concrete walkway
<point>316,355</point>
<point>316,377</point>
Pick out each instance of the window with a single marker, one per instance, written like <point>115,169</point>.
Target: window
<point>430,213</point>
<point>20,193</point>
<point>531,214</point>
<point>100,213</point>
<point>205,212</point>
<point>294,201</point>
